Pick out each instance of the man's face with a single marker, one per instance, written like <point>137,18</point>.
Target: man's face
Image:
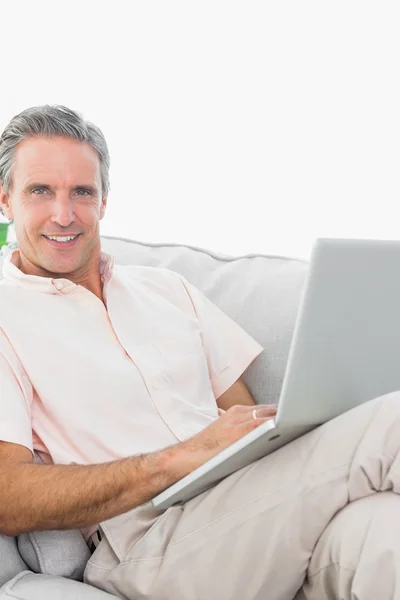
<point>56,191</point>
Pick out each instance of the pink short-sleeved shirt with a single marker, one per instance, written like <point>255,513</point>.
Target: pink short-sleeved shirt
<point>83,382</point>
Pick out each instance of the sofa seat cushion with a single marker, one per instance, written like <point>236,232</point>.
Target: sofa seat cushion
<point>31,586</point>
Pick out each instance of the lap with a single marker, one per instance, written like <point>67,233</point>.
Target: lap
<point>255,529</point>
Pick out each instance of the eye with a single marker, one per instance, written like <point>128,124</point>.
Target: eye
<point>87,192</point>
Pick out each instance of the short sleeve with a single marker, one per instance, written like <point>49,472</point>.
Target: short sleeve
<point>15,398</point>
<point>228,348</point>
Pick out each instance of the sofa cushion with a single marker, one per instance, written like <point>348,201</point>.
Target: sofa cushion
<point>30,586</point>
<point>63,553</point>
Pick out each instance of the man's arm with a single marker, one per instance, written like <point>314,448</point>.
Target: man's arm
<point>238,393</point>
<point>38,497</point>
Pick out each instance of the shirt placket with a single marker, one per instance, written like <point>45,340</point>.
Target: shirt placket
<point>151,366</point>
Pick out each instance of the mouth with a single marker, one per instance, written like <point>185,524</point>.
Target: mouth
<point>63,245</point>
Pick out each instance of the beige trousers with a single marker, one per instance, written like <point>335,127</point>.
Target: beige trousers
<point>304,522</point>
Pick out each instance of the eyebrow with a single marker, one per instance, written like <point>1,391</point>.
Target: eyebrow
<point>91,188</point>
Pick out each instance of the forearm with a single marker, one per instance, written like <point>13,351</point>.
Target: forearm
<point>38,497</point>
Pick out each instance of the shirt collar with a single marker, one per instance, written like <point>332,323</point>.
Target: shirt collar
<point>47,284</point>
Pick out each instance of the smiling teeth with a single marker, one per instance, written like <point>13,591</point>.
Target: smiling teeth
<point>62,239</point>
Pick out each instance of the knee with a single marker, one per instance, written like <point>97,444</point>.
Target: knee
<point>359,552</point>
<point>389,402</point>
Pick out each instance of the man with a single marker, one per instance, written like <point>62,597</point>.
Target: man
<point>127,378</point>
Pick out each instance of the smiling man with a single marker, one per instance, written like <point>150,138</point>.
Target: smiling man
<point>118,376</point>
<point>86,383</point>
<point>56,218</point>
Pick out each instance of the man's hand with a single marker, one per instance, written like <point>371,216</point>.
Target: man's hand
<point>230,427</point>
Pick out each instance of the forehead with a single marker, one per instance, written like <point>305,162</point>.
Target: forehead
<point>58,161</point>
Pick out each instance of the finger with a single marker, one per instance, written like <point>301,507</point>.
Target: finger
<point>260,416</point>
<point>261,407</point>
<point>256,414</point>
<point>242,414</point>
<point>263,411</point>
<point>245,408</point>
<point>250,424</point>
<point>221,412</point>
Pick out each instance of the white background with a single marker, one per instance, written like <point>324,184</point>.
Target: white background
<point>242,127</point>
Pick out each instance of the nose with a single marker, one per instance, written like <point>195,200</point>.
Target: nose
<point>63,210</point>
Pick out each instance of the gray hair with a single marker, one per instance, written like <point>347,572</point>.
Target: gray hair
<point>50,121</point>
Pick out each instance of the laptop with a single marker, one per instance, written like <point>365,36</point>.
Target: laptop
<point>344,351</point>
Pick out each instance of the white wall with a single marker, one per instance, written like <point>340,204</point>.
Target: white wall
<point>251,126</point>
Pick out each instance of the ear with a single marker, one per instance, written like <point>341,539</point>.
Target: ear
<point>5,204</point>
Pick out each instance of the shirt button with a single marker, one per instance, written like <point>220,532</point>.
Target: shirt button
<point>59,285</point>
